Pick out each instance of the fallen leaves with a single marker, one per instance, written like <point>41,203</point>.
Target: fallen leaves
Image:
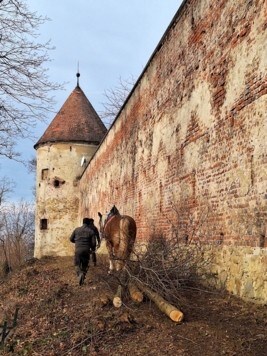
<point>59,317</point>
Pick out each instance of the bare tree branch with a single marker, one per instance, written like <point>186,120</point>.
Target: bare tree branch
<point>6,187</point>
<point>24,83</point>
<point>115,98</point>
<point>31,165</point>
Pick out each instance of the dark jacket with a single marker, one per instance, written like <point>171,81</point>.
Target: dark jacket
<point>96,233</point>
<point>84,238</point>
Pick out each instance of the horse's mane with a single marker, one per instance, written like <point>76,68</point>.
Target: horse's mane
<point>114,211</point>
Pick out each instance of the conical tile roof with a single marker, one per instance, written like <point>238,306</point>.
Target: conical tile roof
<point>76,121</point>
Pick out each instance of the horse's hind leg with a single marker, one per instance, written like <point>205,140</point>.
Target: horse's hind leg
<point>110,254</point>
<point>111,266</point>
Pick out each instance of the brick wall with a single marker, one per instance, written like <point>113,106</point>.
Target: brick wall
<point>188,151</point>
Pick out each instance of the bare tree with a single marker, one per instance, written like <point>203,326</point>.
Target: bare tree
<point>115,98</point>
<point>16,228</point>
<point>16,232</point>
<point>24,83</point>
<point>6,187</point>
<point>31,165</point>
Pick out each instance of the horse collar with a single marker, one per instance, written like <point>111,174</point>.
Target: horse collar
<point>109,218</point>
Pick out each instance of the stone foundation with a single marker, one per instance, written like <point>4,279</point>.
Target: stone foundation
<point>240,270</point>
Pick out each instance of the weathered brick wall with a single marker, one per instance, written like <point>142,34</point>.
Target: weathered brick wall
<point>188,150</point>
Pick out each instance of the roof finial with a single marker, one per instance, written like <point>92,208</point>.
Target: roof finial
<point>78,75</point>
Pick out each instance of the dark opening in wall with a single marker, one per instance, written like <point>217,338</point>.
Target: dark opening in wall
<point>56,183</point>
<point>43,224</point>
<point>44,173</point>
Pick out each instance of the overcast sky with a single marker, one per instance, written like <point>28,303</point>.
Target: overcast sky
<point>109,38</point>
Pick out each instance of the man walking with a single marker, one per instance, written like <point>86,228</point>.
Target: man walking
<point>85,238</point>
<point>96,244</point>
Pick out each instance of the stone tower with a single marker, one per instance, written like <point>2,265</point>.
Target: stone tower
<point>63,152</point>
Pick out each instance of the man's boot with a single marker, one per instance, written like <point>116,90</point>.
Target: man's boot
<point>94,258</point>
<point>81,278</point>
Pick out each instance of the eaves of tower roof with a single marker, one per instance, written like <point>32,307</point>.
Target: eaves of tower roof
<point>76,121</point>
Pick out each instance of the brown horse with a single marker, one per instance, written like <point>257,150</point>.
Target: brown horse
<point>120,233</point>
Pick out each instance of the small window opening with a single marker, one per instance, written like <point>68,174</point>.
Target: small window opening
<point>56,183</point>
<point>43,224</point>
<point>44,173</point>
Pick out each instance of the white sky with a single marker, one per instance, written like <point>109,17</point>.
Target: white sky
<point>109,38</point>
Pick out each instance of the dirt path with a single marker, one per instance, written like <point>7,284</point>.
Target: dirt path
<point>58,317</point>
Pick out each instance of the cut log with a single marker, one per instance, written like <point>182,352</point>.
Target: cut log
<point>117,301</point>
<point>172,312</point>
<point>136,295</point>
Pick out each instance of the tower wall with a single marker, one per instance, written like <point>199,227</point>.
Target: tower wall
<point>57,196</point>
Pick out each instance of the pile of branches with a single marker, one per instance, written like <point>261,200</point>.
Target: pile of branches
<point>163,268</point>
<point>168,267</point>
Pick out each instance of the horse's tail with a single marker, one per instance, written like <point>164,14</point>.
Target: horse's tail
<point>127,238</point>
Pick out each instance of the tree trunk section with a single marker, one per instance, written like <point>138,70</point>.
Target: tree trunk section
<point>136,295</point>
<point>172,312</point>
<point>117,301</point>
